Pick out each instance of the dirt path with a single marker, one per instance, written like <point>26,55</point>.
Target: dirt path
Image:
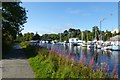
<point>15,64</point>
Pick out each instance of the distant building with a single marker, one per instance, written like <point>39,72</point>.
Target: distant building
<point>115,30</point>
<point>115,40</point>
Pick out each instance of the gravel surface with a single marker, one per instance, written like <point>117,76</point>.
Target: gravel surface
<point>15,65</point>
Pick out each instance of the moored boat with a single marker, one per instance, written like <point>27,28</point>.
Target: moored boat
<point>116,48</point>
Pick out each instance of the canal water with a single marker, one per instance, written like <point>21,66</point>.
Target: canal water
<point>77,52</point>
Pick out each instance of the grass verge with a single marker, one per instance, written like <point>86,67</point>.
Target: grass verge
<point>47,64</point>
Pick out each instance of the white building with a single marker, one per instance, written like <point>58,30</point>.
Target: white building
<point>115,40</point>
<point>117,30</point>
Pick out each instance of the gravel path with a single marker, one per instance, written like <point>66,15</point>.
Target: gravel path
<point>15,65</point>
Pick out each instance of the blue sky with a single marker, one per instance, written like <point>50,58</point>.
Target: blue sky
<point>55,17</point>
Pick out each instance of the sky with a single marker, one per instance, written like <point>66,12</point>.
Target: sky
<point>55,17</point>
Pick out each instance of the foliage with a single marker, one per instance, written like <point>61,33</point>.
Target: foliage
<point>36,36</point>
<point>28,37</point>
<point>85,35</point>
<point>50,36</point>
<point>24,44</point>
<point>20,37</point>
<point>96,32</point>
<point>47,64</point>
<point>12,23</point>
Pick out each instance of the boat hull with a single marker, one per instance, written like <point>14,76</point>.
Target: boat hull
<point>116,48</point>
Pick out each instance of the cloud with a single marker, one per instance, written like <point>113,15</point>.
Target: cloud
<point>56,29</point>
<point>73,11</point>
<point>78,12</point>
<point>86,14</point>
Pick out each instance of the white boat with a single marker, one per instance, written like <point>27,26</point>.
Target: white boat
<point>115,42</point>
<point>116,47</point>
<point>75,44</point>
<point>99,46</point>
<point>91,45</point>
<point>75,41</point>
<point>106,48</point>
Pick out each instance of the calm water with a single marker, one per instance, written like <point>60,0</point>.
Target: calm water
<point>111,57</point>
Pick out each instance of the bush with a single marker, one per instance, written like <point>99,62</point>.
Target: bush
<point>24,44</point>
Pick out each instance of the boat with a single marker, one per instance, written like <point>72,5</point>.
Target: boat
<point>75,41</point>
<point>92,45</point>
<point>115,41</point>
<point>116,48</point>
<point>75,44</point>
<point>99,46</point>
<point>106,48</point>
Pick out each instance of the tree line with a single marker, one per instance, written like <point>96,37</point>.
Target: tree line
<point>85,35</point>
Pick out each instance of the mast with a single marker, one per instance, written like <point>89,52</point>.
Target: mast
<point>82,36</point>
<point>100,31</point>
<point>100,28</point>
<point>60,37</point>
<point>87,34</point>
<point>95,34</point>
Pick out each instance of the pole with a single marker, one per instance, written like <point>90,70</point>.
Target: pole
<point>100,31</point>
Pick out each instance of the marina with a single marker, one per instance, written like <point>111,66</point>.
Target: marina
<point>61,39</point>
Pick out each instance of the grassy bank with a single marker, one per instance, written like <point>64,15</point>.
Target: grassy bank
<point>47,64</point>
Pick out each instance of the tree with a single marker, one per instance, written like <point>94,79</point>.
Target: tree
<point>13,18</point>
<point>20,37</point>
<point>96,32</point>
<point>66,32</point>
<point>36,36</point>
<point>28,36</point>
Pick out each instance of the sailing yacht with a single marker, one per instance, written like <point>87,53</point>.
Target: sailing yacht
<point>83,42</point>
<point>93,44</point>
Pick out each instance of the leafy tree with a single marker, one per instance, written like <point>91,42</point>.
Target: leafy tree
<point>28,36</point>
<point>36,36</point>
<point>12,22</point>
<point>20,37</point>
<point>96,32</point>
<point>66,32</point>
<point>119,33</point>
<point>13,18</point>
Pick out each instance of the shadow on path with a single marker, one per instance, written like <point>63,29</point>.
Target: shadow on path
<point>15,53</point>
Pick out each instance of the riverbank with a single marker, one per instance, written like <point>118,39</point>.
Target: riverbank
<point>47,64</point>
